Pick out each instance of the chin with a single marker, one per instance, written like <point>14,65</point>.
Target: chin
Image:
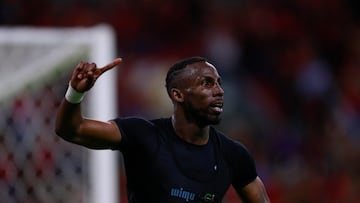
<point>205,121</point>
<point>214,121</point>
<point>203,118</point>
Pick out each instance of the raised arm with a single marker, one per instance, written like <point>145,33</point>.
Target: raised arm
<point>71,125</point>
<point>254,192</point>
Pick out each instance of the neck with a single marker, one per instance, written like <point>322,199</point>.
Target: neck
<point>189,131</point>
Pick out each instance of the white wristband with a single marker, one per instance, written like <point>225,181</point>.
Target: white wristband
<point>74,96</point>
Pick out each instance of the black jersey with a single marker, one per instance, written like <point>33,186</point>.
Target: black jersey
<point>160,167</point>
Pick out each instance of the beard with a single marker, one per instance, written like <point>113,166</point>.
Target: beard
<point>201,116</point>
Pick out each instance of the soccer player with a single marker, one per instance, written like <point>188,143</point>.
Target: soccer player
<point>177,159</point>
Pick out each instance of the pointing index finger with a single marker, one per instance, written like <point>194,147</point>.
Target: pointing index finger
<point>111,65</point>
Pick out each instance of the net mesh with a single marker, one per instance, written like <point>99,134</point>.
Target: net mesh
<point>35,165</point>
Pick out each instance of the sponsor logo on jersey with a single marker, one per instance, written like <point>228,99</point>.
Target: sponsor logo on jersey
<point>189,196</point>
<point>181,193</point>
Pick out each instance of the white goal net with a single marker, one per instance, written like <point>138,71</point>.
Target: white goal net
<point>35,165</point>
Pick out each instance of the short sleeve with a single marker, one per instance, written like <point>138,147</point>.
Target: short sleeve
<point>134,132</point>
<point>242,163</point>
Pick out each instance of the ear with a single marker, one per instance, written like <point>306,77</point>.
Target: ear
<point>177,95</point>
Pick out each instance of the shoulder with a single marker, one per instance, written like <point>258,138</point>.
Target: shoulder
<point>138,131</point>
<point>238,157</point>
<point>138,122</point>
<point>233,151</point>
<point>227,143</point>
<point>140,125</point>
<point>131,120</point>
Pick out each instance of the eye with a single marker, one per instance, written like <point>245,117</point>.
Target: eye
<point>219,82</point>
<point>207,82</point>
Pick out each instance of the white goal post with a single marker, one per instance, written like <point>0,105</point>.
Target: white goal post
<point>56,46</point>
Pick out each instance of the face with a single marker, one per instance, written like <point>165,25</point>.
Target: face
<point>202,93</point>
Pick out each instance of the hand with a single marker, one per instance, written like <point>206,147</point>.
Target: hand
<point>85,74</point>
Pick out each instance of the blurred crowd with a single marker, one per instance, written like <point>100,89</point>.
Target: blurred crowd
<point>291,72</point>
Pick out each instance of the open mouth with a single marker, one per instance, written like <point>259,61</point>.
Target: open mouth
<point>217,107</point>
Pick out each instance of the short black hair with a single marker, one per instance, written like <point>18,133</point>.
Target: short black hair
<point>176,69</point>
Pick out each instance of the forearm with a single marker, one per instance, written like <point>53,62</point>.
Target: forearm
<point>72,127</point>
<point>68,119</point>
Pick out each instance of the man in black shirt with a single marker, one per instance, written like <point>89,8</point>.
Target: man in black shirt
<point>177,159</point>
